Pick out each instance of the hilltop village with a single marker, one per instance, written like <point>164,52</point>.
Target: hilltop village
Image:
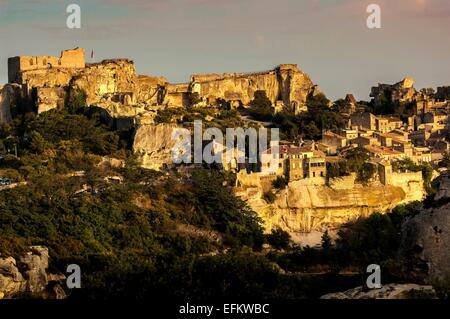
<point>393,139</point>
<point>87,169</point>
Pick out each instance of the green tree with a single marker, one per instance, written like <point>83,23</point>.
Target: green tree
<point>279,238</point>
<point>317,102</point>
<point>326,241</point>
<point>280,182</point>
<point>76,100</point>
<point>261,107</point>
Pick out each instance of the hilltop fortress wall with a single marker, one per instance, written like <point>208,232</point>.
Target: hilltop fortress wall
<point>115,86</point>
<point>69,59</point>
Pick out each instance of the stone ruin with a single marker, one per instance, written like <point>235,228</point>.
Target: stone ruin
<point>113,85</point>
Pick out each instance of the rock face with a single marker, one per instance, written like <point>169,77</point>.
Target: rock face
<point>29,275</point>
<point>154,145</point>
<point>286,83</point>
<point>7,95</point>
<point>443,186</point>
<point>425,245</point>
<point>390,291</point>
<point>306,207</point>
<point>303,208</point>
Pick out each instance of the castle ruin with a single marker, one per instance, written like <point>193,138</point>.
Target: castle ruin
<point>113,85</point>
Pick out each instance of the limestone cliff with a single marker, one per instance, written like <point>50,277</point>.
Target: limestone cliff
<point>425,245</point>
<point>314,207</point>
<point>153,144</point>
<point>286,83</point>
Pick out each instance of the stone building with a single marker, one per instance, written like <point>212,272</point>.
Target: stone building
<point>315,167</point>
<point>372,122</point>
<point>69,59</point>
<point>333,141</point>
<point>294,162</point>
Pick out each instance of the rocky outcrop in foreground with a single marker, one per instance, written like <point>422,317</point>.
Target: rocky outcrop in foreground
<point>29,276</point>
<point>425,245</point>
<point>390,291</point>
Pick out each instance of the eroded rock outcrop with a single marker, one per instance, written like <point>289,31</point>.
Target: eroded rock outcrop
<point>154,144</point>
<point>29,275</point>
<point>425,244</point>
<point>307,206</point>
<point>286,84</point>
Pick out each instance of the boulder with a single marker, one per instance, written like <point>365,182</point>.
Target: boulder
<point>425,244</point>
<point>390,291</point>
<point>30,276</point>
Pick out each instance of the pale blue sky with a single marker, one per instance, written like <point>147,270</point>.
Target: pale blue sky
<point>176,38</point>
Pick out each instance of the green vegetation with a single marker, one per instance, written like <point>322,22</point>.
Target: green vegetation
<point>156,235</point>
<point>355,161</point>
<point>210,117</point>
<point>280,182</point>
<point>261,107</point>
<point>269,197</point>
<point>359,243</point>
<point>150,236</point>
<point>312,123</point>
<point>279,238</point>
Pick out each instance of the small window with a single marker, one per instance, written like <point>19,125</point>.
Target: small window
<point>44,62</point>
<point>31,61</point>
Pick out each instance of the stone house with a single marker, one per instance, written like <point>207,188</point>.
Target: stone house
<point>420,137</point>
<point>334,141</point>
<point>363,141</point>
<point>383,152</point>
<point>293,162</point>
